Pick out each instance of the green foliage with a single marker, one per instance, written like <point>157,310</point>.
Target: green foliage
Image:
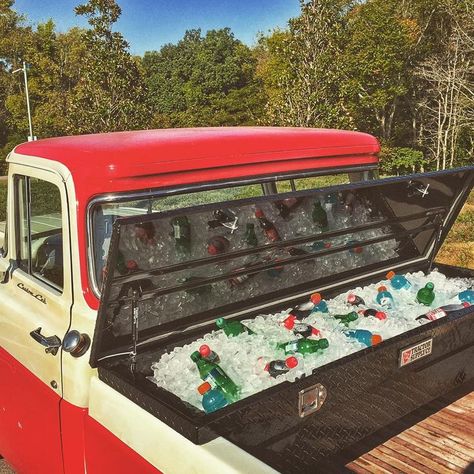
<point>398,160</point>
<point>104,99</point>
<point>203,80</point>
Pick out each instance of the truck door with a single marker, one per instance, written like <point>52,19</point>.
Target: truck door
<point>35,307</point>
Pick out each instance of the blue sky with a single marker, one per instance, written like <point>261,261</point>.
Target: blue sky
<point>148,24</point>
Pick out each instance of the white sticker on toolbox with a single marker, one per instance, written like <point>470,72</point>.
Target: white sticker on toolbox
<point>413,353</point>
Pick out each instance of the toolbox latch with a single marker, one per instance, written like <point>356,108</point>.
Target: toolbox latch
<point>311,399</point>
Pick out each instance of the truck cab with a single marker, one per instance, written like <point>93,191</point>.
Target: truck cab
<point>66,199</point>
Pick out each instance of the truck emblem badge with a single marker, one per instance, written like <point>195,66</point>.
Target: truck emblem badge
<point>413,353</point>
<point>39,297</point>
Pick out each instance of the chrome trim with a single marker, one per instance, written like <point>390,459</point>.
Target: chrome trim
<point>154,193</point>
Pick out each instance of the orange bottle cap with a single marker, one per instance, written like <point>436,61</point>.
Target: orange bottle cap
<point>390,275</point>
<point>382,288</point>
<point>204,388</point>
<point>291,362</point>
<point>376,339</point>
<point>315,298</point>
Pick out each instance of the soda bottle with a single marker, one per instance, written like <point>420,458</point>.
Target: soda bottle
<point>442,311</point>
<point>125,267</point>
<point>212,398</point>
<point>145,233</point>
<point>356,250</point>
<point>320,245</point>
<point>299,314</point>
<point>250,236</point>
<point>466,296</point>
<point>217,245</point>
<point>304,346</point>
<point>181,234</point>
<point>293,251</point>
<point>268,228</point>
<point>320,306</point>
<point>286,206</point>
<point>365,337</point>
<point>399,282</point>
<point>347,318</point>
<point>220,218</point>
<point>300,329</point>
<point>208,354</point>
<point>355,300</point>
<point>213,373</point>
<point>232,328</point>
<point>384,298</point>
<point>373,312</point>
<point>320,217</point>
<point>426,295</point>
<point>279,367</point>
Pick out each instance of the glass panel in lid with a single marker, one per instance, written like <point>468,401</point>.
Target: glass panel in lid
<point>190,265</point>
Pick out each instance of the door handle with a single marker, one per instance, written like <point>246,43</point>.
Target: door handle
<point>52,343</point>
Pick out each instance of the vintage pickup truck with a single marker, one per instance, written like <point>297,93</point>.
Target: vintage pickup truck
<point>85,309</point>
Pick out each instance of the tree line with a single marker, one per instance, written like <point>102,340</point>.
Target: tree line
<point>402,70</point>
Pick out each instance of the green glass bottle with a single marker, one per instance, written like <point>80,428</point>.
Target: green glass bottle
<point>232,328</point>
<point>213,373</point>
<point>181,234</point>
<point>320,218</point>
<point>426,295</point>
<point>250,235</point>
<point>304,346</point>
<point>347,318</point>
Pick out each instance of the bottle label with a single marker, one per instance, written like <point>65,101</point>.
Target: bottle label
<point>292,346</point>
<point>177,231</point>
<point>213,376</point>
<point>436,314</point>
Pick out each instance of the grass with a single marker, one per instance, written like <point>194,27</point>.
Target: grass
<point>458,249</point>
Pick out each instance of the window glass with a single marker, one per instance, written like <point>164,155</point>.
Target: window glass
<point>3,215</point>
<point>40,230</point>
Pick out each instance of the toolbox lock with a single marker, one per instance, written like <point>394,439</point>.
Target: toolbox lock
<point>311,399</point>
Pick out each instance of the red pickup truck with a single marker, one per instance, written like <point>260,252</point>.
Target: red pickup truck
<point>84,312</point>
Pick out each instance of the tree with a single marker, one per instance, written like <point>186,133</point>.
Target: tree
<point>111,93</point>
<point>308,58</point>
<point>203,80</point>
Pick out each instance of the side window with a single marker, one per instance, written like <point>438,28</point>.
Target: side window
<point>39,223</point>
<point>3,215</point>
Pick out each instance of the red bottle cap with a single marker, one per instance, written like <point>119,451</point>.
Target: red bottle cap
<point>131,265</point>
<point>357,249</point>
<point>381,288</point>
<point>204,388</point>
<point>315,331</point>
<point>211,249</point>
<point>381,315</point>
<point>291,362</point>
<point>205,350</point>
<point>351,298</point>
<point>390,275</point>
<point>376,339</point>
<point>315,298</point>
<point>466,304</point>
<point>259,213</point>
<point>289,322</point>
<point>327,245</point>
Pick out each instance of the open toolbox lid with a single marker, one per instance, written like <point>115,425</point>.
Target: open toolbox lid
<point>172,271</point>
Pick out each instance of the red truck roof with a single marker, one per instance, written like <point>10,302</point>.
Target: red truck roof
<point>132,159</point>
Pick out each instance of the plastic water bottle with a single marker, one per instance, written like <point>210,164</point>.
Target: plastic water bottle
<point>466,296</point>
<point>426,294</point>
<point>364,336</point>
<point>212,398</point>
<point>278,367</point>
<point>399,282</point>
<point>355,300</point>
<point>299,314</point>
<point>384,298</point>
<point>320,306</point>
